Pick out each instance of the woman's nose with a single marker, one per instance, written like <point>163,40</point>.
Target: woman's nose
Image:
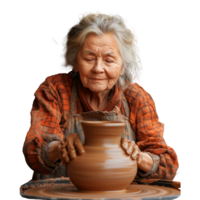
<point>98,67</point>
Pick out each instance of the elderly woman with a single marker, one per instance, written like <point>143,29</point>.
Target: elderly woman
<point>103,54</point>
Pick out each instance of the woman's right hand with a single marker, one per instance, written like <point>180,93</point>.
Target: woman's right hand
<point>68,148</point>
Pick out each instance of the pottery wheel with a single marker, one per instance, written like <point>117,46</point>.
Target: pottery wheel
<point>68,191</point>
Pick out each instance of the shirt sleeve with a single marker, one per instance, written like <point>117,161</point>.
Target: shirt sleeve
<point>149,136</point>
<point>45,119</point>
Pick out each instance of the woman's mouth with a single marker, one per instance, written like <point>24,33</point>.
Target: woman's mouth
<point>97,79</point>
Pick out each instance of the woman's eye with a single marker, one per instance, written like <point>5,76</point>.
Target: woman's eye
<point>91,59</point>
<point>109,61</point>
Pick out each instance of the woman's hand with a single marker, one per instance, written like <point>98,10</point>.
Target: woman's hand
<point>144,161</point>
<point>68,148</point>
<point>131,149</point>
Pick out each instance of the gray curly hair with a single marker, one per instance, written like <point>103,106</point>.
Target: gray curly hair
<point>100,24</point>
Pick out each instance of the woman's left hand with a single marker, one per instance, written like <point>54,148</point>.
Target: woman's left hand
<point>144,161</point>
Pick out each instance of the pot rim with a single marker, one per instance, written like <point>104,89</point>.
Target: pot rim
<point>104,123</point>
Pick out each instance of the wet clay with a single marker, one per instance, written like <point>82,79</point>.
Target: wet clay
<point>104,166</point>
<point>136,192</point>
<point>103,171</point>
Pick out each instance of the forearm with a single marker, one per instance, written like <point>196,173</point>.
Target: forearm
<point>53,151</point>
<point>36,155</point>
<point>145,162</point>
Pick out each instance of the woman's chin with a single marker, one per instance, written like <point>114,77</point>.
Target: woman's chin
<point>95,90</point>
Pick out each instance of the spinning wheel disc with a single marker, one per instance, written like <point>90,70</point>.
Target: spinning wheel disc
<point>66,190</point>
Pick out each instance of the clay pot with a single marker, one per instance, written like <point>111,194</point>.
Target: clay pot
<point>104,166</point>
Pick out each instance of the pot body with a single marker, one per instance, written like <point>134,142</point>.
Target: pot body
<point>104,166</point>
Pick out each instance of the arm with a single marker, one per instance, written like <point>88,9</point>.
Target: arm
<point>149,131</point>
<point>148,163</point>
<point>45,119</point>
<point>145,162</point>
<point>53,151</point>
<point>149,136</point>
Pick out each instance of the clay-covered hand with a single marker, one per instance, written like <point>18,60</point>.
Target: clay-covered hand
<point>144,161</point>
<point>131,149</point>
<point>68,148</point>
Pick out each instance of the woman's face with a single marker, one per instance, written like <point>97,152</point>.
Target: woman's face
<point>99,62</point>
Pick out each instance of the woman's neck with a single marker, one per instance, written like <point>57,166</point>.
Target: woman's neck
<point>99,100</point>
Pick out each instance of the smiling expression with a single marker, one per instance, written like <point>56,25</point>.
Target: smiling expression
<point>99,62</point>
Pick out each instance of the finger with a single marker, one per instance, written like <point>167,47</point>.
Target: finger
<point>131,146</point>
<point>63,154</point>
<point>124,142</point>
<point>135,154</point>
<point>70,148</point>
<point>78,145</point>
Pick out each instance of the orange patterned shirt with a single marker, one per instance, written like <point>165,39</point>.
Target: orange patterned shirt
<point>50,114</point>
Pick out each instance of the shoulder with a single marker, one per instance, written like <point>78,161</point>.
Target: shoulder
<point>58,83</point>
<point>61,79</point>
<point>136,95</point>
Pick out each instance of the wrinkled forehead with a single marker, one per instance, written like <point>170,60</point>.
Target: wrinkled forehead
<point>105,44</point>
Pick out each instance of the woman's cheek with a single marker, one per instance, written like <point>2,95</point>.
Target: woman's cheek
<point>83,72</point>
<point>113,77</point>
<point>113,74</point>
<point>85,81</point>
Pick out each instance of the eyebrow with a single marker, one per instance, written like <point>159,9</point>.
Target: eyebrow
<point>94,53</point>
